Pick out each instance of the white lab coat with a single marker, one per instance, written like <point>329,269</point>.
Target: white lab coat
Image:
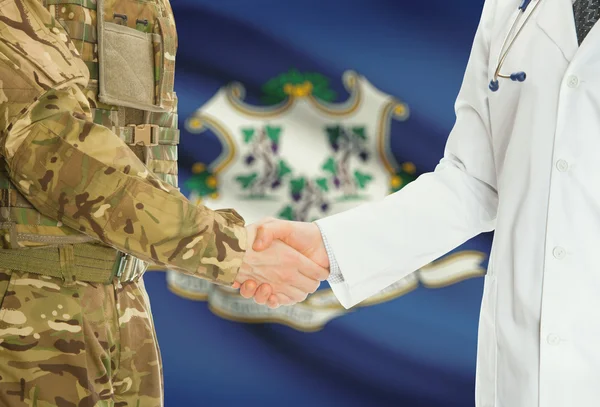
<point>524,161</point>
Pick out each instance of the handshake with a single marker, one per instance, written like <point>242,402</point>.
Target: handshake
<point>284,262</point>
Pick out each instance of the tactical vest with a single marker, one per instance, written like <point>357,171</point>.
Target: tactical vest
<point>129,47</point>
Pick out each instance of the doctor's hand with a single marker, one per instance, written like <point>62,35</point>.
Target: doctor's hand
<point>285,273</point>
<point>303,237</point>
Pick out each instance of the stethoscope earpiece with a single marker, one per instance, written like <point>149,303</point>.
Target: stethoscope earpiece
<point>524,5</point>
<point>494,85</point>
<point>518,76</point>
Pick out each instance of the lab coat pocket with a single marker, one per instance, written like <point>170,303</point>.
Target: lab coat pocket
<point>485,383</point>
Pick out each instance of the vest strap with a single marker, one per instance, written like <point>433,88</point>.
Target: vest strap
<point>66,256</point>
<point>89,4</point>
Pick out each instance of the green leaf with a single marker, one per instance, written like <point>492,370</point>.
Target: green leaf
<point>333,134</point>
<point>362,179</point>
<point>248,135</point>
<point>197,183</point>
<point>273,133</point>
<point>284,169</point>
<point>272,85</point>
<point>298,185</point>
<point>317,79</point>
<point>321,89</point>
<point>273,89</point>
<point>194,184</point>
<point>322,183</point>
<point>295,77</point>
<point>330,166</point>
<point>400,180</point>
<point>359,132</point>
<point>287,213</point>
<point>246,181</point>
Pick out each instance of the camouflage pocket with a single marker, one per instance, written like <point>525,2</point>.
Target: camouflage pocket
<point>127,46</point>
<point>165,49</point>
<point>44,357</point>
<point>126,60</point>
<point>38,310</point>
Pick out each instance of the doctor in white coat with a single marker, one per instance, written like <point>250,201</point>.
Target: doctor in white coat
<point>523,159</point>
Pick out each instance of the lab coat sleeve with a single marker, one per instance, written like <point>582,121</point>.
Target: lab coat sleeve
<point>379,243</point>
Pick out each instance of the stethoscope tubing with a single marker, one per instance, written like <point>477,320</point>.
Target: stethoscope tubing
<point>507,45</point>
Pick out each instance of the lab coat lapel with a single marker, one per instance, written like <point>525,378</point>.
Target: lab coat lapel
<point>556,19</point>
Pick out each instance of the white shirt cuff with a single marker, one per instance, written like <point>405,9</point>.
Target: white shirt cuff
<point>335,274</point>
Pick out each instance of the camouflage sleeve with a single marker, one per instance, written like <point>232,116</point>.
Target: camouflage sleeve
<point>81,173</point>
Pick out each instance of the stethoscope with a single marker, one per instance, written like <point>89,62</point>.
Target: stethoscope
<point>506,46</point>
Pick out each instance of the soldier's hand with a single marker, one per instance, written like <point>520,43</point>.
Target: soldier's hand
<point>287,275</point>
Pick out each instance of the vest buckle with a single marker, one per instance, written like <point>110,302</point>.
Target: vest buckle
<point>128,268</point>
<point>144,134</point>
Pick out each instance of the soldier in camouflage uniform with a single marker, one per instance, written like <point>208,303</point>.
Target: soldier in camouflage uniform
<point>88,197</point>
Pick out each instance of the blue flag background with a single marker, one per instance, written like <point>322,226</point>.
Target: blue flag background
<point>417,350</point>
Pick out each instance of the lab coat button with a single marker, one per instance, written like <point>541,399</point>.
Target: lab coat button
<point>559,253</point>
<point>573,81</point>
<point>553,339</point>
<point>562,165</point>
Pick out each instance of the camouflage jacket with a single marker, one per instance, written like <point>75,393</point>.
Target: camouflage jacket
<point>80,173</point>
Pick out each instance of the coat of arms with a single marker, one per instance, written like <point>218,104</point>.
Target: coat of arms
<point>303,156</point>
